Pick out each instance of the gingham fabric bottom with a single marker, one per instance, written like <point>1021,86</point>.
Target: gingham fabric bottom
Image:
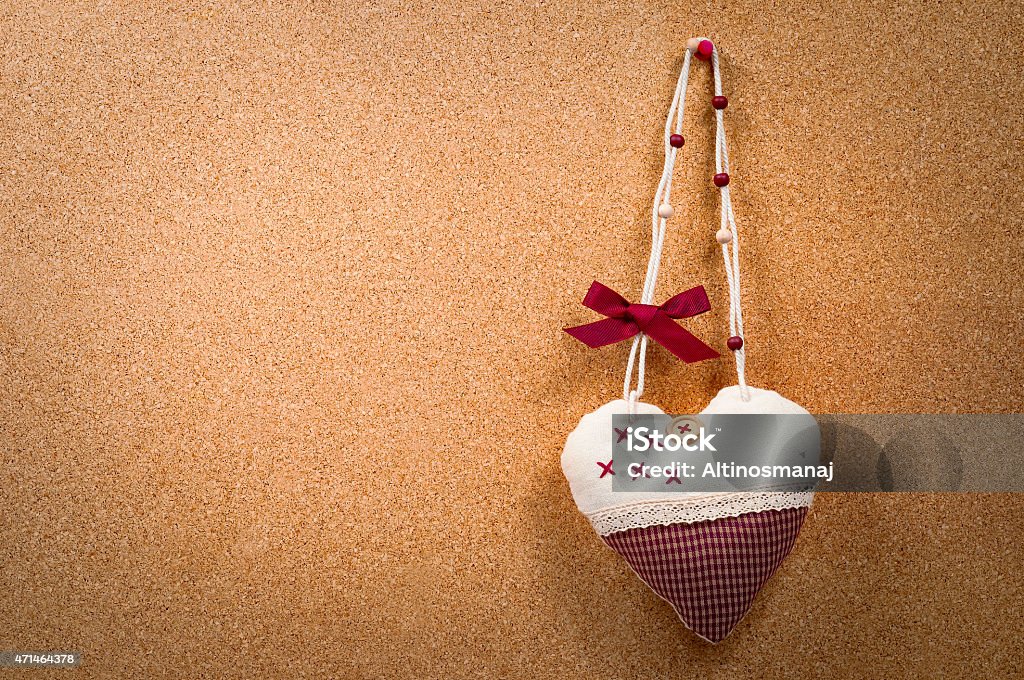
<point>710,572</point>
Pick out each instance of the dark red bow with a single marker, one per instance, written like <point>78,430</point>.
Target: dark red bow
<point>626,320</point>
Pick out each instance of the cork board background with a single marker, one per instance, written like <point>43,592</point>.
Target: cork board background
<point>283,385</point>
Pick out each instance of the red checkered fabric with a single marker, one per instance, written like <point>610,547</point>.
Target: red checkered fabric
<point>710,572</point>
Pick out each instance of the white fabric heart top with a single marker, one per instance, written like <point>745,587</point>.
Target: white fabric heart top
<point>608,512</point>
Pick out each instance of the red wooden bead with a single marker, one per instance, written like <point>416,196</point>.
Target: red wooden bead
<point>719,102</point>
<point>704,50</point>
<point>734,343</point>
<point>676,140</point>
<point>721,179</point>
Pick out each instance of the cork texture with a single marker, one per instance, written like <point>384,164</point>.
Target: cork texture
<point>283,383</point>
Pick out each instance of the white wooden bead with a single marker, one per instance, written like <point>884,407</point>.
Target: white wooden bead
<point>665,210</point>
<point>723,236</point>
<point>692,43</point>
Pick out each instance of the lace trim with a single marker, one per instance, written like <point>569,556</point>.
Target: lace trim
<point>690,510</point>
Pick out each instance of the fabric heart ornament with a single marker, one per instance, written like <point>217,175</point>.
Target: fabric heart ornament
<point>707,554</point>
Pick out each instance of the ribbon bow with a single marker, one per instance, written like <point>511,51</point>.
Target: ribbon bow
<point>626,320</point>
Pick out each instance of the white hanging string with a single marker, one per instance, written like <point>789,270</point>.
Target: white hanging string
<point>658,229</point>
<point>674,125</point>
<point>728,222</point>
